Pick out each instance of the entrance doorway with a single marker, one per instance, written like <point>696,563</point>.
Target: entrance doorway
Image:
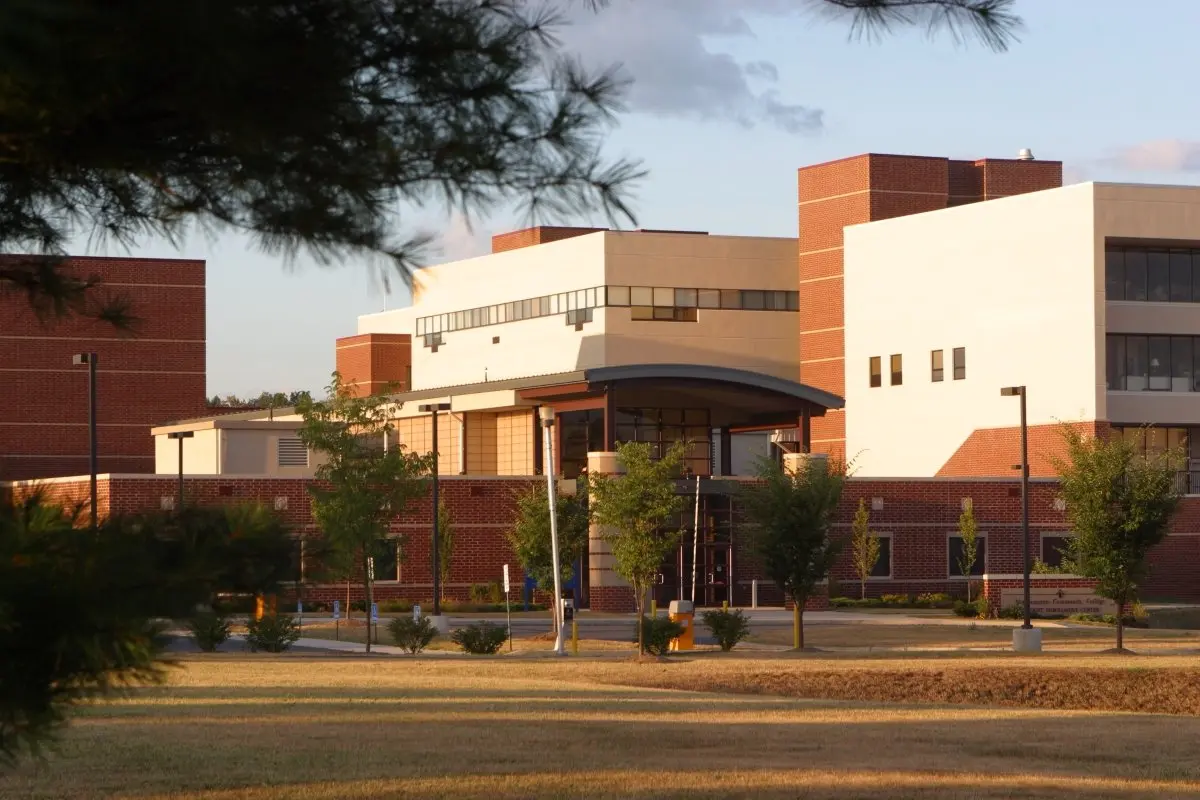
<point>712,547</point>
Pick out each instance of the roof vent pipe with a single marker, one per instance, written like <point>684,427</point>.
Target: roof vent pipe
<point>1025,155</point>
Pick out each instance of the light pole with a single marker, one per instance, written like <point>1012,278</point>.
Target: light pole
<point>434,558</point>
<point>547,415</point>
<point>90,360</point>
<point>1028,638</point>
<point>179,436</point>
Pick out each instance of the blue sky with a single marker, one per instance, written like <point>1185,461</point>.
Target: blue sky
<point>1093,83</point>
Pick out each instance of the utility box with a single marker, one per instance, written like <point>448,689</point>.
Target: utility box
<point>683,612</point>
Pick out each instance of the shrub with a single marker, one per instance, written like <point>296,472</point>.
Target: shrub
<point>358,605</point>
<point>480,593</point>
<point>1039,567</point>
<point>657,633</point>
<point>496,593</point>
<point>209,630</point>
<point>315,607</point>
<point>413,635</point>
<point>1140,612</point>
<point>1128,620</point>
<point>484,639</point>
<point>272,634</point>
<point>395,606</point>
<point>976,609</point>
<point>934,600</point>
<point>728,627</point>
<point>1014,611</point>
<point>895,599</point>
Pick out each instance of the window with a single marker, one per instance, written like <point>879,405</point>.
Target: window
<point>661,314</point>
<point>291,452</point>
<point>664,297</point>
<point>876,372</point>
<point>618,295</point>
<point>386,553</point>
<point>1136,363</point>
<point>1153,441</point>
<point>753,301</point>
<point>641,296</point>
<point>433,339</point>
<point>709,298</point>
<point>687,298</point>
<point>897,370</point>
<point>1054,547</point>
<point>883,566</point>
<point>731,298</point>
<point>936,366</point>
<point>960,363</point>
<point>1153,274</point>
<point>1181,363</point>
<point>579,316</point>
<point>955,554</point>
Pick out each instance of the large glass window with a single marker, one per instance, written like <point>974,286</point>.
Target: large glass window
<point>1153,274</point>
<point>1137,363</point>
<point>1055,547</point>
<point>581,432</point>
<point>663,426</point>
<point>955,553</point>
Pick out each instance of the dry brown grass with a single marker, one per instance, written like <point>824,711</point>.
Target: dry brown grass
<point>357,634</point>
<point>962,635</point>
<point>269,727</point>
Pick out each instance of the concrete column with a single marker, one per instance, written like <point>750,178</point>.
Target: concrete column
<point>607,590</point>
<point>796,462</point>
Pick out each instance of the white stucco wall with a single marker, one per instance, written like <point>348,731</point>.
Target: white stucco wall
<point>541,346</point>
<point>199,454</point>
<point>1018,282</point>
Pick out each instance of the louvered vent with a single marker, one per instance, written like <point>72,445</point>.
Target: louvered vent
<point>292,452</point>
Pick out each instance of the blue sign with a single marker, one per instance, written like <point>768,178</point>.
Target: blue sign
<point>374,612</point>
<point>337,609</point>
<point>300,607</point>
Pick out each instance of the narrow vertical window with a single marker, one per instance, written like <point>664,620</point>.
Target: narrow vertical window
<point>876,372</point>
<point>897,370</point>
<point>960,363</point>
<point>937,372</point>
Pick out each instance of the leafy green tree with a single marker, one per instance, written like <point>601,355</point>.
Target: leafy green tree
<point>791,519</point>
<point>635,506</point>
<point>445,544</point>
<point>1120,505</point>
<point>305,123</point>
<point>362,484</point>
<point>529,537</point>
<point>968,530</point>
<point>864,545</point>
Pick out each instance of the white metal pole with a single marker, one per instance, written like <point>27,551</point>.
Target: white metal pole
<point>695,539</point>
<point>552,492</point>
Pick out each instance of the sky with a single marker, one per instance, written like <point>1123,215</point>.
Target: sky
<point>728,99</point>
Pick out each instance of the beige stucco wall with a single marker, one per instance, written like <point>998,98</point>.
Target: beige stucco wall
<point>760,341</point>
<point>236,448</point>
<point>1160,214</point>
<point>1014,281</point>
<point>199,454</point>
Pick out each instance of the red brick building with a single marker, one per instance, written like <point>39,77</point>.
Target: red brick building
<point>150,375</point>
<point>917,519</point>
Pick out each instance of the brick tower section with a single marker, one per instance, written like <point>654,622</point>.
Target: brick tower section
<point>373,363</point>
<point>868,188</point>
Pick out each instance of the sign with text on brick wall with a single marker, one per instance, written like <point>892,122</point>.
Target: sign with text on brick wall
<point>1059,601</point>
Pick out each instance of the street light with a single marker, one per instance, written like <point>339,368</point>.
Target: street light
<point>1027,638</point>
<point>434,408</point>
<point>547,415</point>
<point>89,359</point>
<point>179,436</point>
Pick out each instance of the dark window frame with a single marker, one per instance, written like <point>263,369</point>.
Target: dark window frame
<point>896,368</point>
<point>980,567</point>
<point>959,356</point>
<point>875,367</point>
<point>936,366</point>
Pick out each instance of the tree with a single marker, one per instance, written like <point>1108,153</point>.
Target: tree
<point>529,537</point>
<point>79,611</point>
<point>306,123</point>
<point>1120,505</point>
<point>635,506</point>
<point>791,519</point>
<point>362,484</point>
<point>445,544</point>
<point>968,530</point>
<point>864,545</point>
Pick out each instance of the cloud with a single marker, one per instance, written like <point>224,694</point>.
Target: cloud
<point>666,47</point>
<point>1162,155</point>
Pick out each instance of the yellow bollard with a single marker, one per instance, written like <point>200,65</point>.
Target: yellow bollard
<point>653,608</point>
<point>724,605</point>
<point>258,606</point>
<point>574,637</point>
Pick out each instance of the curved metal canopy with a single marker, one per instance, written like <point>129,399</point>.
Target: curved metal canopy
<point>697,372</point>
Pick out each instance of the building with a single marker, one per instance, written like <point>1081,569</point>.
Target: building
<point>916,289</point>
<point>1084,294</point>
<point>150,375</point>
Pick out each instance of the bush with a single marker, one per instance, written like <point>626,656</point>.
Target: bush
<point>395,606</point>
<point>976,609</point>
<point>728,627</point>
<point>896,599</point>
<point>358,605</point>
<point>272,634</point>
<point>315,607</point>
<point>934,600</point>
<point>1129,620</point>
<point>496,593</point>
<point>413,635</point>
<point>657,633</point>
<point>480,593</point>
<point>484,639</point>
<point>209,630</point>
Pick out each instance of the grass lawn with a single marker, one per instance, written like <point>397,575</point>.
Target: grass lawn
<point>982,635</point>
<point>344,727</point>
<point>357,632</point>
